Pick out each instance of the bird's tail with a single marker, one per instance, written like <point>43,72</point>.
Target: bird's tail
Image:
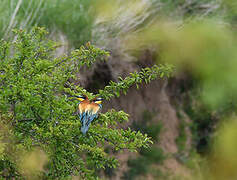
<point>84,129</point>
<point>85,123</point>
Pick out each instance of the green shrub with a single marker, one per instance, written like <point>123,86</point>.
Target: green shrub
<point>40,134</point>
<point>153,130</point>
<point>154,155</point>
<point>138,167</point>
<point>181,140</point>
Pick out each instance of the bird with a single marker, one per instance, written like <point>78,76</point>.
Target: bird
<point>88,110</point>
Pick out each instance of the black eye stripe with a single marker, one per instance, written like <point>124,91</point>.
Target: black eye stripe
<point>98,99</point>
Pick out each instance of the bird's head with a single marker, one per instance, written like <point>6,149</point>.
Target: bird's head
<point>97,100</point>
<point>82,98</point>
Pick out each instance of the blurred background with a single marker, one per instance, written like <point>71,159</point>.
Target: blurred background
<point>191,117</point>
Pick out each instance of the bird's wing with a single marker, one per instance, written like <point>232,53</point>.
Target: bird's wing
<point>82,111</point>
<point>91,117</point>
<point>82,116</point>
<point>94,113</point>
<point>85,119</point>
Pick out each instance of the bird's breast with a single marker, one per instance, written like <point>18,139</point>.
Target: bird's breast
<point>88,107</point>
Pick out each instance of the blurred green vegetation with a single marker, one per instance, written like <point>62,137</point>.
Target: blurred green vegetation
<point>72,18</point>
<point>203,122</point>
<point>198,36</point>
<point>76,18</point>
<point>146,126</point>
<point>181,140</point>
<point>207,49</point>
<point>142,165</point>
<point>231,11</point>
<point>192,8</point>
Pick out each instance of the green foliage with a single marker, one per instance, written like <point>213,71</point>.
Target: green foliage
<point>192,8</point>
<point>137,166</point>
<point>144,126</point>
<point>146,75</point>
<point>203,120</point>
<point>37,111</point>
<point>184,155</point>
<point>154,155</point>
<point>142,164</point>
<point>73,18</point>
<point>231,10</point>
<point>182,137</point>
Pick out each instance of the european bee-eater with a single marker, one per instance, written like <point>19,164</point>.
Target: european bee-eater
<point>88,111</point>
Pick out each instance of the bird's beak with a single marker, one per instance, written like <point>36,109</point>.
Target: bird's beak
<point>80,99</point>
<point>98,102</point>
